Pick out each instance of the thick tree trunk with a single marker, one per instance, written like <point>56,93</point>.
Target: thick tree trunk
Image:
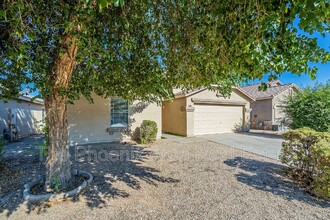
<point>58,162</point>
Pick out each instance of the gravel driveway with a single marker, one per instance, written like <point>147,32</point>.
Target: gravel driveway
<point>170,180</point>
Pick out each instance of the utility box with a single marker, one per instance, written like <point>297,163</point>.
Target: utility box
<point>278,128</point>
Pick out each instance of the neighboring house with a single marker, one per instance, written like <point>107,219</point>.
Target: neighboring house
<point>203,111</point>
<point>268,107</point>
<point>23,113</point>
<point>109,120</point>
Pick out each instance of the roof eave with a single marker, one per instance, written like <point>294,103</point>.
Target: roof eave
<point>28,99</point>
<point>244,93</point>
<point>264,98</point>
<point>189,94</point>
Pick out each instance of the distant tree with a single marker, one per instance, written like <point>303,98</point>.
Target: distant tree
<point>311,108</point>
<point>141,49</point>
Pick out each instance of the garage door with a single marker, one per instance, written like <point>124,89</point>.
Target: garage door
<point>212,119</point>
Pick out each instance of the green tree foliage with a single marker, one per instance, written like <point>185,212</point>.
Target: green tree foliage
<point>142,49</point>
<point>307,152</point>
<point>311,108</point>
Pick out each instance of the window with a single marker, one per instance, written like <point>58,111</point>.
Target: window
<point>119,113</point>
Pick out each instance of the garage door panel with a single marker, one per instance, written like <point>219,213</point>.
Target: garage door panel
<point>211,119</point>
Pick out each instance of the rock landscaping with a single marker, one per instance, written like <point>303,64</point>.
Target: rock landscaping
<point>168,180</point>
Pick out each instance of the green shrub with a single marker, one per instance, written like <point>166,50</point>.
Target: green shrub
<point>307,152</point>
<point>321,174</point>
<point>42,127</point>
<point>311,108</point>
<point>148,131</point>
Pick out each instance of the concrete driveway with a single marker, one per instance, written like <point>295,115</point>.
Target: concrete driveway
<point>261,144</point>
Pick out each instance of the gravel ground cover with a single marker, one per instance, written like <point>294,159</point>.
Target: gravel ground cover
<point>169,180</point>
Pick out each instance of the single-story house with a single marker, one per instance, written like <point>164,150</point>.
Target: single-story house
<point>25,114</point>
<point>202,111</point>
<point>109,119</point>
<point>268,107</point>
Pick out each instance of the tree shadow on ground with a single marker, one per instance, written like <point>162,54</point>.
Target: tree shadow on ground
<point>109,163</point>
<point>268,177</point>
<point>25,147</point>
<point>14,173</point>
<point>20,163</point>
<point>115,163</point>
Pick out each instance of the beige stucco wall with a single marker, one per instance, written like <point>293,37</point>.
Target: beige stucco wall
<point>28,114</point>
<point>178,115</point>
<point>173,117</point>
<point>270,110</point>
<point>234,96</point>
<point>280,101</point>
<point>262,110</point>
<point>208,94</point>
<point>88,123</point>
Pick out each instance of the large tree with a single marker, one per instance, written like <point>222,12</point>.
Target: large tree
<point>141,49</point>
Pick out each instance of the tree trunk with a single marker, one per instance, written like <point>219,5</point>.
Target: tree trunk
<point>58,162</point>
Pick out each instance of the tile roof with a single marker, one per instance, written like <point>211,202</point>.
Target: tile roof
<point>274,88</point>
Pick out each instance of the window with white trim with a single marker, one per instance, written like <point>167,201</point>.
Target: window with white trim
<point>118,113</point>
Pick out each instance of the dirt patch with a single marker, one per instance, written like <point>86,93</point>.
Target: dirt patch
<point>9,178</point>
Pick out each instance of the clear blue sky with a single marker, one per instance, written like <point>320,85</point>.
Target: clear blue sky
<point>304,80</point>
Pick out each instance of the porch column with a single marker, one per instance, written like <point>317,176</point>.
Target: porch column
<point>189,119</point>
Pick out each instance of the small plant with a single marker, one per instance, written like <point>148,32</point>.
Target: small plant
<point>44,148</point>
<point>148,131</point>
<point>307,152</point>
<point>55,181</point>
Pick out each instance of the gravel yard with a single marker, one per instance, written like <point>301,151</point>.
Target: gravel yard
<point>169,180</point>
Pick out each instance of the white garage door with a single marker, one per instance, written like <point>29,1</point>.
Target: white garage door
<point>212,119</point>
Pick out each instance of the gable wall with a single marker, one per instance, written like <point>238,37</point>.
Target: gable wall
<point>262,111</point>
<point>269,111</point>
<point>280,101</point>
<point>208,94</point>
<point>28,114</point>
<point>178,114</point>
<point>234,96</point>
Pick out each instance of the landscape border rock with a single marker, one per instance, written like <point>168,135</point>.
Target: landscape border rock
<point>44,197</point>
